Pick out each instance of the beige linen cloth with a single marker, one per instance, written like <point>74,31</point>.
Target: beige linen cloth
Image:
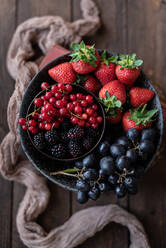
<point>45,31</point>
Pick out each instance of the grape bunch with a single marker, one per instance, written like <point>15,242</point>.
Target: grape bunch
<point>120,165</point>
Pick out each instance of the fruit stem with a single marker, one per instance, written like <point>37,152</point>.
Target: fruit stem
<point>63,173</point>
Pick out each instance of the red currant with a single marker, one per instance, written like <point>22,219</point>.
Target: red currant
<point>89,99</point>
<point>63,111</point>
<point>44,85</point>
<point>84,116</point>
<point>92,120</point>
<point>75,103</point>
<point>45,102</point>
<point>99,119</point>
<point>74,120</point>
<point>68,88</point>
<point>32,123</point>
<point>83,103</point>
<point>35,115</point>
<point>79,96</point>
<point>43,110</point>
<point>38,102</point>
<point>66,97</point>
<point>94,114</point>
<point>56,124</point>
<point>95,107</point>
<point>87,124</point>
<point>48,107</point>
<point>54,88</point>
<point>61,87</point>
<point>43,98</point>
<point>22,121</point>
<point>64,102</point>
<point>70,106</point>
<point>48,126</point>
<point>24,127</point>
<point>59,104</point>
<point>58,95</point>
<point>78,109</point>
<point>33,130</point>
<point>52,100</point>
<point>89,111</point>
<point>48,95</point>
<point>42,125</point>
<point>73,97</point>
<point>95,125</point>
<point>81,123</point>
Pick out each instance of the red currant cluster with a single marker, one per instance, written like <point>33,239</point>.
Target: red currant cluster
<point>56,104</point>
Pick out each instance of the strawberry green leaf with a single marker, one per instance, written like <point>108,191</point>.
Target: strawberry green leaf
<point>111,104</point>
<point>80,79</point>
<point>142,116</point>
<point>83,53</point>
<point>107,60</point>
<point>127,61</point>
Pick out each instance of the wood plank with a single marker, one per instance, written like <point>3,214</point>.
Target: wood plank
<point>147,37</point>
<point>59,207</point>
<point>7,13</point>
<point>113,36</point>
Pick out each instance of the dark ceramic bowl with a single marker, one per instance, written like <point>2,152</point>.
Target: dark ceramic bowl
<point>46,165</point>
<point>76,89</point>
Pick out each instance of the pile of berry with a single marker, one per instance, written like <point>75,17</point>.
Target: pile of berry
<point>59,119</point>
<point>118,166</point>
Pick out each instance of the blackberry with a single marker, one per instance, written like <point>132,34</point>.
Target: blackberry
<point>52,137</point>
<point>59,151</point>
<point>88,142</point>
<point>76,132</point>
<point>39,141</point>
<point>75,149</point>
<point>92,132</point>
<point>64,136</point>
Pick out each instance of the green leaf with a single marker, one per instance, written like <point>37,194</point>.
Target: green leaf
<point>138,62</point>
<point>75,46</point>
<point>118,104</point>
<point>107,94</point>
<point>71,170</point>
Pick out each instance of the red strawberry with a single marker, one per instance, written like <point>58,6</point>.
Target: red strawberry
<point>63,73</point>
<point>127,70</point>
<point>85,59</point>
<point>114,119</point>
<point>92,84</point>
<point>105,72</point>
<point>114,88</point>
<point>140,96</point>
<point>138,118</point>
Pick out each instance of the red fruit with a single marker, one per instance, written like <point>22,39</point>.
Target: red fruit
<point>105,72</point>
<point>99,119</point>
<point>128,69</point>
<point>114,88</point>
<point>68,88</point>
<point>138,118</point>
<point>59,104</point>
<point>73,97</point>
<point>91,84</point>
<point>83,103</point>
<point>48,126</point>
<point>78,109</point>
<point>63,73</point>
<point>22,121</point>
<point>70,106</point>
<point>79,96</point>
<point>63,111</point>
<point>32,123</point>
<point>140,96</point>
<point>54,88</point>
<point>24,127</point>
<point>114,119</point>
<point>89,111</point>
<point>35,115</point>
<point>95,125</point>
<point>95,107</point>
<point>42,125</point>
<point>48,95</point>
<point>74,120</point>
<point>92,120</point>
<point>89,99</point>
<point>84,116</point>
<point>56,124</point>
<point>81,123</point>
<point>58,95</point>
<point>44,85</point>
<point>85,59</point>
<point>127,76</point>
<point>61,87</point>
<point>38,102</point>
<point>33,130</point>
<point>52,100</point>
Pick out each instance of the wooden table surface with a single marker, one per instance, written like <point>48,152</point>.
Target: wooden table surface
<point>127,26</point>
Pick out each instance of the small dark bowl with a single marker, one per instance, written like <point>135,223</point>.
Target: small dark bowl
<point>46,165</point>
<point>76,89</point>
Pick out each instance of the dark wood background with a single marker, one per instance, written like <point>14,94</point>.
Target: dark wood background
<point>127,26</point>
